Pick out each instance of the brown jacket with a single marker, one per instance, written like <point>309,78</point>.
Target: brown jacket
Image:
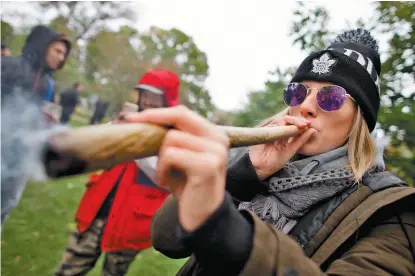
<point>370,240</point>
<point>370,231</point>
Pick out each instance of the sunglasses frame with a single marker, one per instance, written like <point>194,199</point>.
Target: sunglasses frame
<point>310,89</point>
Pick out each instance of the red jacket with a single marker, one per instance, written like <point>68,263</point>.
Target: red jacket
<point>128,224</point>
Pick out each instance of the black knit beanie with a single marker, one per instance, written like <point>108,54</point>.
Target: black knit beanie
<point>351,61</point>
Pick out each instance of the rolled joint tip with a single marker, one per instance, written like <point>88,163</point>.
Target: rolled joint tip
<point>59,163</point>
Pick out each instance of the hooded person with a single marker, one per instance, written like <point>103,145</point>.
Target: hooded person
<point>115,212</point>
<point>45,51</point>
<point>24,86</point>
<point>319,203</point>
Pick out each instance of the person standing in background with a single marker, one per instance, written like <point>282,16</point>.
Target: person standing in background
<point>26,77</point>
<point>101,108</point>
<point>69,100</point>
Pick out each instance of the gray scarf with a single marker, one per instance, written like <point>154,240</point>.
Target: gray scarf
<point>299,185</point>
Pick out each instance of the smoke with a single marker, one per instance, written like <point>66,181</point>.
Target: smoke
<point>23,137</point>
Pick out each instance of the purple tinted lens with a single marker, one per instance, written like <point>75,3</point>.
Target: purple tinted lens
<point>331,98</point>
<point>295,94</point>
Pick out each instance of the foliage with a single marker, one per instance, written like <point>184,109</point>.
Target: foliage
<point>310,28</point>
<point>86,18</point>
<point>112,65</point>
<point>6,32</point>
<point>263,103</point>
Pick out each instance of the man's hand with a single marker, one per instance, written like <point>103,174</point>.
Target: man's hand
<point>49,114</point>
<point>192,161</point>
<point>50,117</point>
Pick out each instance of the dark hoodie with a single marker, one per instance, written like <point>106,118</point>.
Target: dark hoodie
<point>30,71</point>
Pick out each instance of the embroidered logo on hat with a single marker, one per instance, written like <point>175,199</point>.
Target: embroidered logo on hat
<point>323,65</point>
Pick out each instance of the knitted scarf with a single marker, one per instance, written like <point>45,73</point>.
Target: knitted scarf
<point>299,185</point>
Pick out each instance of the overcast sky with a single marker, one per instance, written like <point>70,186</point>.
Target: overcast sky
<point>243,39</point>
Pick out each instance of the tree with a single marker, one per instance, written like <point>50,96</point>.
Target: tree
<point>310,31</point>
<point>6,32</point>
<point>263,103</point>
<point>87,18</point>
<point>309,27</point>
<point>398,84</point>
<point>11,38</point>
<point>172,49</point>
<point>112,65</point>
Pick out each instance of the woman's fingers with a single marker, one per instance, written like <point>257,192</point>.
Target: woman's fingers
<point>180,139</point>
<point>175,165</point>
<point>121,117</point>
<point>290,120</point>
<point>297,121</point>
<point>170,171</point>
<point>298,141</point>
<point>191,145</point>
<point>181,118</point>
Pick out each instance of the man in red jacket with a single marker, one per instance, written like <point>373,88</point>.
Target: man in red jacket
<point>115,212</point>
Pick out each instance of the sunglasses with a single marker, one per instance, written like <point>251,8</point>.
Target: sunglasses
<point>329,98</point>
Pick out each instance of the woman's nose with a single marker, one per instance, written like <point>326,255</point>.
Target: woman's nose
<point>309,107</point>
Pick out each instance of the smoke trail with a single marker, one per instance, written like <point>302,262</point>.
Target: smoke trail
<point>23,138</point>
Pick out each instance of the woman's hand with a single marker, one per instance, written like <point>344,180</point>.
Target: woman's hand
<point>192,161</point>
<point>267,159</point>
<point>121,118</point>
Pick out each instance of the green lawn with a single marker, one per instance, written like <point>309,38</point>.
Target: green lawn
<point>35,234</point>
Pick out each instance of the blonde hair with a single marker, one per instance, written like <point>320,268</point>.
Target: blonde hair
<point>361,146</point>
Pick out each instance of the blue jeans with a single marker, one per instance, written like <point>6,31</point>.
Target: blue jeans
<point>14,174</point>
<point>11,191</point>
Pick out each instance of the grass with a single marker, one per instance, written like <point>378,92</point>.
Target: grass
<point>35,234</point>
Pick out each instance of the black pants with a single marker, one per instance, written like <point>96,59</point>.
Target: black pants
<point>66,115</point>
<point>96,119</point>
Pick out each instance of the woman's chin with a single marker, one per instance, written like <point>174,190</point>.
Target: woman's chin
<point>310,148</point>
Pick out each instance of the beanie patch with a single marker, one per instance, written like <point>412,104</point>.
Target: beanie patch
<point>323,65</point>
